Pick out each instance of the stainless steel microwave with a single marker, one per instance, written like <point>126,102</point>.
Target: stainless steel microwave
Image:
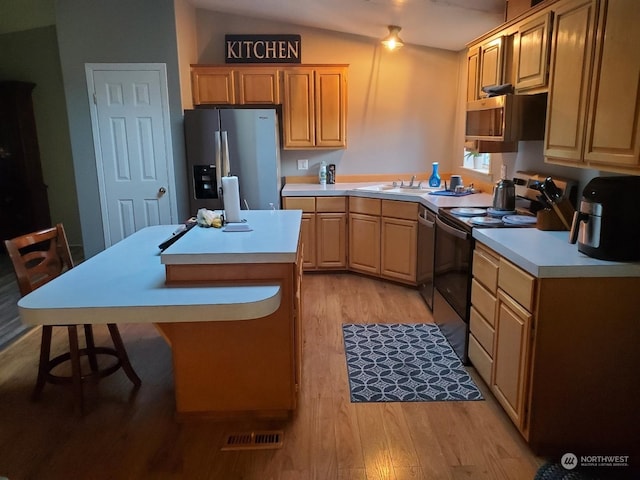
<point>506,118</point>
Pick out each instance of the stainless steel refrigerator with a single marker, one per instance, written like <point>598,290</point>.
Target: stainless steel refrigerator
<point>233,141</point>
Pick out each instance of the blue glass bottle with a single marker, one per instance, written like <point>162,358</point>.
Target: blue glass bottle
<point>434,179</point>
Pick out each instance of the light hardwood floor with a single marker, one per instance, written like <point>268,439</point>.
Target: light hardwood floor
<point>138,436</point>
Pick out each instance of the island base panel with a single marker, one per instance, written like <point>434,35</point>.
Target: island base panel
<point>228,368</point>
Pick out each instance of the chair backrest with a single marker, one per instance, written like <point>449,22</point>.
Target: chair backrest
<point>39,257</point>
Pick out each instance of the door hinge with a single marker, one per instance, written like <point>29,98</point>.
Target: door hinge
<point>95,99</point>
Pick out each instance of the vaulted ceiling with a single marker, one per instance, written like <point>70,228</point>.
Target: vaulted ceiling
<point>447,24</point>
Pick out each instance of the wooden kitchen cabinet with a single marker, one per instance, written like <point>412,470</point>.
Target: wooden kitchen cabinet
<point>484,290</point>
<point>383,237</point>
<point>364,235</point>
<point>547,347</point>
<point>595,122</point>
<point>257,86</point>
<point>613,121</point>
<point>511,357</point>
<point>485,67</point>
<point>491,64</point>
<point>574,30</point>
<point>500,328</point>
<point>308,236</point>
<point>331,233</point>
<point>531,52</point>
<point>314,107</point>
<point>473,74</point>
<point>224,85</point>
<point>593,118</point>
<point>307,227</point>
<point>323,231</point>
<point>399,240</point>
<point>212,85</point>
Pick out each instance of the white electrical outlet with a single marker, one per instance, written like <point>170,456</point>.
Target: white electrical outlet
<point>303,164</point>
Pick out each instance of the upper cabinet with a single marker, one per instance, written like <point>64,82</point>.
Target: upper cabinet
<point>491,64</point>
<point>584,54</point>
<point>574,30</point>
<point>314,107</point>
<point>257,85</point>
<point>223,85</point>
<point>531,52</point>
<point>473,74</point>
<point>593,117</point>
<point>613,122</point>
<point>485,67</point>
<point>212,85</point>
<point>313,98</point>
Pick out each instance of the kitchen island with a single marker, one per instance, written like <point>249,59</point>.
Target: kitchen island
<point>231,314</point>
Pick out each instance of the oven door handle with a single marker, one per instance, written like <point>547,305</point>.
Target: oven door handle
<point>452,230</point>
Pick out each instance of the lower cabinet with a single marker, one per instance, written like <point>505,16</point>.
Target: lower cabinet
<point>364,234</point>
<point>500,329</point>
<point>323,231</point>
<point>547,348</point>
<point>308,237</point>
<point>383,238</point>
<point>331,240</point>
<point>510,362</point>
<point>364,243</point>
<point>399,241</point>
<point>380,236</point>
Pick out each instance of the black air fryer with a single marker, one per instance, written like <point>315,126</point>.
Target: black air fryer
<point>607,225</point>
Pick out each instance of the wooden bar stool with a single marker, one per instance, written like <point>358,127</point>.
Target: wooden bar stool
<point>38,258</point>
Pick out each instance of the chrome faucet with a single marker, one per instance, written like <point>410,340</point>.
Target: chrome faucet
<point>413,178</point>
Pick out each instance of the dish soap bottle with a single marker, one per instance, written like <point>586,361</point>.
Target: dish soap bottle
<point>323,173</point>
<point>434,179</point>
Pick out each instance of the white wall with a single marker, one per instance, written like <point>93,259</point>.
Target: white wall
<point>401,105</point>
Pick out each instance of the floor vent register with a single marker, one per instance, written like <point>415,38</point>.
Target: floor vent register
<point>254,440</point>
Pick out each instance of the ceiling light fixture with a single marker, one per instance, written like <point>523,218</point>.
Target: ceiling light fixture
<point>393,41</point>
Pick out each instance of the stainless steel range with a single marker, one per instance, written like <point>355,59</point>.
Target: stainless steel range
<point>454,251</point>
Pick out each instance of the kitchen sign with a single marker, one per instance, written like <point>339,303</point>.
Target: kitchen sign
<point>263,49</point>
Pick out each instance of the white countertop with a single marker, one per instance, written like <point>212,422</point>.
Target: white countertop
<point>273,239</point>
<point>432,202</point>
<point>126,284</point>
<point>548,254</point>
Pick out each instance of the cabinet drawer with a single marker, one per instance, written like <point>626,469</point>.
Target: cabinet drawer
<point>481,329</point>
<point>483,301</point>
<point>306,204</point>
<point>368,206</point>
<point>485,269</point>
<point>480,359</point>
<point>331,204</point>
<point>517,283</point>
<point>398,209</point>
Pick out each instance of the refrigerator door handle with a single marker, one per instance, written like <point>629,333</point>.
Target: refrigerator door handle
<point>218,160</point>
<point>225,154</point>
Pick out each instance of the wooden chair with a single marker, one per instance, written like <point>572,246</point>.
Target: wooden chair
<point>38,258</point>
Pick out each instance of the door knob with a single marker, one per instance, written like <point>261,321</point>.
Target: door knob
<point>162,191</point>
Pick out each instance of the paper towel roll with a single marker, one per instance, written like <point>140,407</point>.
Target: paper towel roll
<point>231,196</point>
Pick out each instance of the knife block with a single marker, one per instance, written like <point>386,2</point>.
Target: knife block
<point>549,219</point>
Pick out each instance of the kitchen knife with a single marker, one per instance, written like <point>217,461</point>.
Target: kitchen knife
<point>552,189</point>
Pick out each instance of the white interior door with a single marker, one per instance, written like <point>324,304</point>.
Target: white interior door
<point>132,141</point>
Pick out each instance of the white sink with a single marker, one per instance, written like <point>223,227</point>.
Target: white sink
<point>403,190</point>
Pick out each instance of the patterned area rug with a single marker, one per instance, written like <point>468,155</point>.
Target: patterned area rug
<point>404,363</point>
